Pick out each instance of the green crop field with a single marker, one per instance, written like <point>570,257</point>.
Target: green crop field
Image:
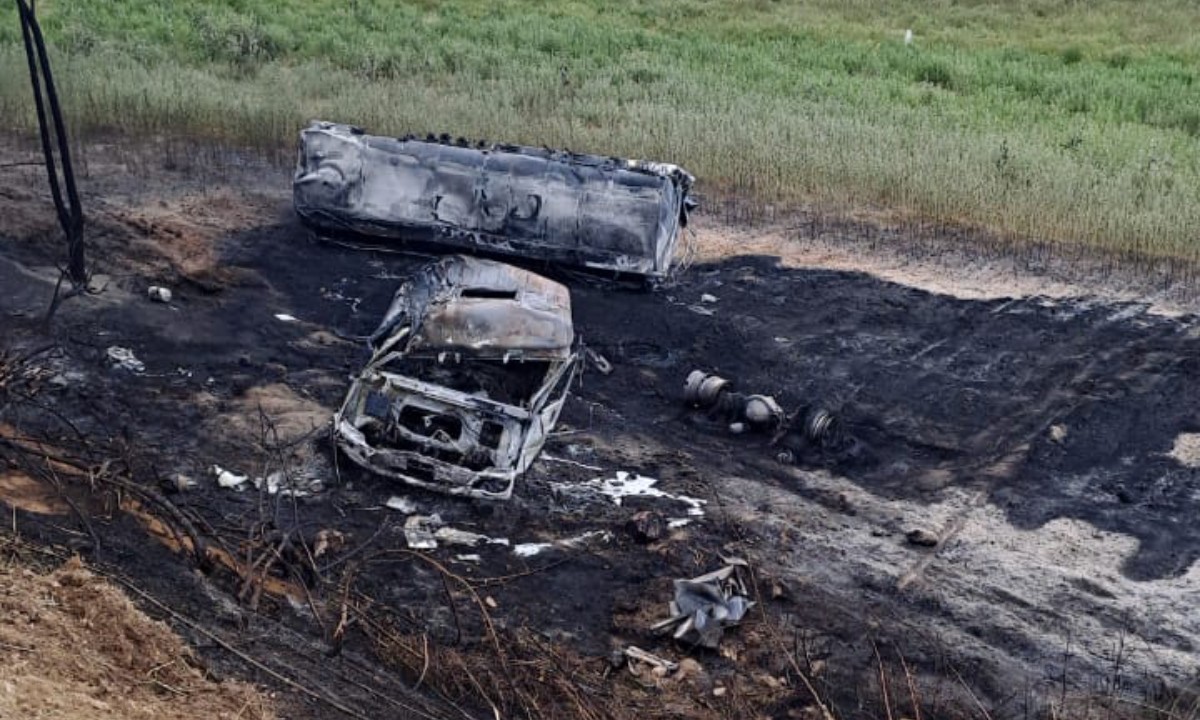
<point>1059,120</point>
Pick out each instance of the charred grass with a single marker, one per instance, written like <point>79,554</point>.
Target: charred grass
<point>1066,122</point>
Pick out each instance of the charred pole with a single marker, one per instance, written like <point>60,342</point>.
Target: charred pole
<point>70,212</point>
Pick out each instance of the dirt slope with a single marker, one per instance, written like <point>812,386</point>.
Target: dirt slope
<point>73,647</point>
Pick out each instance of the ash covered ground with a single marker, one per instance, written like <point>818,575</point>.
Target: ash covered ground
<point>1043,449</point>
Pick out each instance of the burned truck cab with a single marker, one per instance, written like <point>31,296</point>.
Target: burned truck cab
<point>469,372</point>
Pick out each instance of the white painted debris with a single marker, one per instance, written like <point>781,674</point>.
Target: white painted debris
<point>531,549</point>
<point>401,504</point>
<point>454,536</point>
<point>277,483</point>
<point>629,485</point>
<point>284,317</point>
<point>706,298</point>
<point>228,479</point>
<point>159,294</point>
<point>676,523</point>
<point>125,359</point>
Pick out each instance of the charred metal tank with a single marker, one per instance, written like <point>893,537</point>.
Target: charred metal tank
<point>586,211</point>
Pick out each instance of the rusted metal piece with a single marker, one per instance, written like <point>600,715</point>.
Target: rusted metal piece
<point>587,211</point>
<point>472,364</point>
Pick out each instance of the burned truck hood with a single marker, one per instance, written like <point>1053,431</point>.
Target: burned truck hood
<point>589,211</point>
<point>480,308</point>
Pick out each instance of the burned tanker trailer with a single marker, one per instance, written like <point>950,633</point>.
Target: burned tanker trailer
<point>586,211</point>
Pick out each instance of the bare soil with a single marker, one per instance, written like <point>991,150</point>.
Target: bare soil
<point>72,646</point>
<point>1038,429</point>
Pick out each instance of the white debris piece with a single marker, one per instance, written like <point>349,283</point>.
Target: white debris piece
<point>531,549</point>
<point>706,298</point>
<point>284,317</point>
<point>401,504</point>
<point>125,359</point>
<point>158,293</point>
<point>279,483</point>
<point>629,485</point>
<point>454,536</point>
<point>228,479</point>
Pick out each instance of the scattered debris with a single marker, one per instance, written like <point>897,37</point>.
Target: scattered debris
<point>594,212</point>
<point>178,482</point>
<point>762,413</point>
<point>159,294</point>
<point>598,361</point>
<point>704,606</point>
<point>402,504</point>
<point>531,549</point>
<point>327,540</point>
<point>922,537</point>
<point>275,483</point>
<point>713,392</point>
<point>425,532</point>
<point>419,529</point>
<point>284,317</point>
<point>627,485</point>
<point>124,359</point>
<point>1058,432</point>
<point>454,536</point>
<point>647,526</point>
<point>228,479</point>
<point>635,654</point>
<point>472,365</point>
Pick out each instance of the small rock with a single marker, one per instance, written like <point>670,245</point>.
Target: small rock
<point>1058,433</point>
<point>706,298</point>
<point>922,537</point>
<point>719,691</point>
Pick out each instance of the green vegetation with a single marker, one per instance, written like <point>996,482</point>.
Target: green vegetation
<point>1075,122</point>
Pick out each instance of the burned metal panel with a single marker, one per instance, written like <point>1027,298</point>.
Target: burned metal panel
<point>483,308</point>
<point>587,211</point>
<point>472,365</point>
